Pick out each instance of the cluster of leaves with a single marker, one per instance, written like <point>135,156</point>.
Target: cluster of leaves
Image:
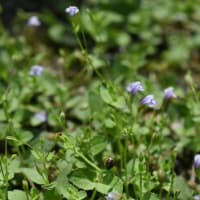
<point>96,138</point>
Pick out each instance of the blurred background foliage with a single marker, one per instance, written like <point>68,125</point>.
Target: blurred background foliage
<point>153,41</point>
<point>158,37</point>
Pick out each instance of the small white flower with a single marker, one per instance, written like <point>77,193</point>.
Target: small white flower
<point>197,197</point>
<point>36,70</point>
<point>111,196</point>
<point>72,10</point>
<point>34,21</point>
<point>41,116</point>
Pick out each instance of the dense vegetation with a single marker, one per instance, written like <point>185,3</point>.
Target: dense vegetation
<point>76,118</point>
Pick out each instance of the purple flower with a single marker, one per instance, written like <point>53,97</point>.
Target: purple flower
<point>197,161</point>
<point>41,116</point>
<point>72,10</point>
<point>111,196</point>
<point>33,21</point>
<point>36,70</point>
<point>169,93</point>
<point>149,100</point>
<point>135,87</point>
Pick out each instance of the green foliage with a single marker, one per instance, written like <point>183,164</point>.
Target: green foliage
<point>75,132</point>
<point>17,194</point>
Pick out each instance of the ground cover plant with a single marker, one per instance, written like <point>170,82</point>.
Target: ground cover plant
<point>100,100</point>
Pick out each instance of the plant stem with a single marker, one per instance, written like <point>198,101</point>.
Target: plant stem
<point>8,129</point>
<point>125,164</point>
<point>93,194</point>
<point>1,167</point>
<point>120,153</point>
<point>172,179</point>
<point>140,185</point>
<point>88,161</point>
<point>84,50</point>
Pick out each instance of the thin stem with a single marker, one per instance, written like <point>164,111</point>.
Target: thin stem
<point>45,168</point>
<point>84,50</point>
<point>88,161</point>
<point>140,176</point>
<point>93,194</point>
<point>8,129</point>
<point>120,152</point>
<point>84,39</point>
<point>195,93</point>
<point>171,185</point>
<point>27,197</point>
<point>160,193</point>
<point>172,179</point>
<point>140,185</point>
<point>1,167</point>
<point>125,164</point>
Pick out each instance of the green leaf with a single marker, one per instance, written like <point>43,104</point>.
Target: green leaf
<point>57,33</point>
<point>150,196</point>
<point>33,175</point>
<point>16,195</point>
<point>119,103</point>
<point>76,28</point>
<point>95,102</point>
<point>66,189</point>
<point>181,187</point>
<point>62,183</point>
<point>2,115</point>
<point>82,195</point>
<point>102,188</point>
<point>13,167</point>
<point>36,155</point>
<point>97,145</point>
<point>105,95</point>
<point>115,183</point>
<point>23,136</point>
<point>109,123</point>
<point>34,193</point>
<point>51,195</point>
<point>83,179</point>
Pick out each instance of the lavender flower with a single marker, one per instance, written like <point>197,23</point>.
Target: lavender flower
<point>135,87</point>
<point>197,161</point>
<point>41,116</point>
<point>33,21</point>
<point>111,196</point>
<point>36,70</point>
<point>72,10</point>
<point>169,93</point>
<point>149,100</point>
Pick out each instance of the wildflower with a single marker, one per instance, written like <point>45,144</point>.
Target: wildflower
<point>169,93</point>
<point>196,197</point>
<point>41,116</point>
<point>36,70</point>
<point>111,196</point>
<point>135,87</point>
<point>72,10</point>
<point>33,21</point>
<point>149,100</point>
<point>197,161</point>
